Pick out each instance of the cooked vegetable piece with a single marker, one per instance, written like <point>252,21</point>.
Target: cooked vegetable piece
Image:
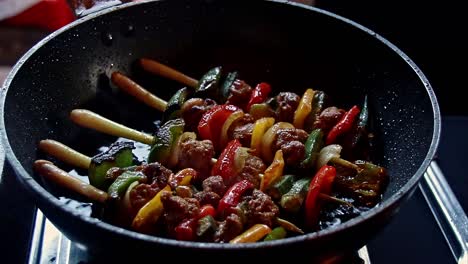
<point>318,104</point>
<point>226,85</point>
<point>258,111</point>
<point>259,95</point>
<point>149,214</point>
<point>206,225</point>
<point>227,125</point>
<point>304,108</point>
<point>118,155</point>
<point>174,104</point>
<point>275,234</point>
<point>253,234</point>
<point>260,127</point>
<point>293,199</point>
<point>212,122</point>
<point>321,183</point>
<point>366,184</point>
<point>269,137</point>
<point>208,85</point>
<point>273,172</point>
<point>284,184</point>
<point>312,148</point>
<point>166,139</point>
<point>233,195</point>
<point>120,185</point>
<point>224,166</point>
<point>327,153</point>
<point>344,125</point>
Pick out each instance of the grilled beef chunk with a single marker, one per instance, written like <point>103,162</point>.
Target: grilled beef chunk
<point>197,155</point>
<point>229,228</point>
<point>287,105</point>
<point>214,184</point>
<point>141,194</point>
<point>251,171</point>
<point>177,209</point>
<point>242,130</point>
<point>261,209</point>
<point>192,111</point>
<point>291,142</point>
<point>328,118</point>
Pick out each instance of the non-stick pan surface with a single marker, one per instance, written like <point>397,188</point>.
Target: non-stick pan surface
<point>293,47</point>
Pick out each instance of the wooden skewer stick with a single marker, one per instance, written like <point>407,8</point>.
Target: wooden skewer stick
<point>99,123</point>
<point>65,153</point>
<point>167,72</point>
<point>129,86</point>
<point>54,174</point>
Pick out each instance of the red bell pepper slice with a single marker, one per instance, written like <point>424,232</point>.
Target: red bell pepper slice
<point>259,94</point>
<point>224,166</point>
<point>344,125</point>
<point>186,230</point>
<point>212,121</point>
<point>321,183</point>
<point>233,195</point>
<point>206,210</point>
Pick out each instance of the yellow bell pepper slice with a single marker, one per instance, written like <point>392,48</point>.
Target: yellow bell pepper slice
<point>273,172</point>
<point>304,108</point>
<point>253,234</point>
<point>261,125</point>
<point>149,214</point>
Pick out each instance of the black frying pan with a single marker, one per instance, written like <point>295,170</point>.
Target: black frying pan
<point>293,47</point>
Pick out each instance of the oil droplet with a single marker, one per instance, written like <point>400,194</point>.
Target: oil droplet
<point>128,30</point>
<point>107,38</point>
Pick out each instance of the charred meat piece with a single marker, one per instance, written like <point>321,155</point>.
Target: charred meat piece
<point>197,155</point>
<point>157,174</point>
<point>328,118</point>
<point>141,194</point>
<point>207,197</point>
<point>192,111</point>
<point>261,209</point>
<point>242,130</point>
<point>177,209</point>
<point>240,93</point>
<point>291,142</point>
<point>229,228</point>
<point>214,184</point>
<point>251,171</point>
<point>287,105</point>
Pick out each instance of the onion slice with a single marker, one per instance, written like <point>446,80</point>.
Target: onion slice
<point>269,137</point>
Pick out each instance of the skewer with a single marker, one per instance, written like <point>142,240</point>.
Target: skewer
<point>128,85</point>
<point>65,153</point>
<point>99,123</point>
<point>168,72</point>
<point>54,174</point>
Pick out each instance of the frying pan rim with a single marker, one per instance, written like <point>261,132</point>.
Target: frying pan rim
<point>37,190</point>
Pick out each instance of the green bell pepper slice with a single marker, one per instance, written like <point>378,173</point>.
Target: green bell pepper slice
<point>165,142</point>
<point>120,185</point>
<point>313,145</point>
<point>119,155</point>
<point>175,104</point>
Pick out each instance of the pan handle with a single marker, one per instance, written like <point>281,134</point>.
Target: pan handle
<point>447,211</point>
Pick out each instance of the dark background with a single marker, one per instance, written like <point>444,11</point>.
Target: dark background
<point>431,33</point>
